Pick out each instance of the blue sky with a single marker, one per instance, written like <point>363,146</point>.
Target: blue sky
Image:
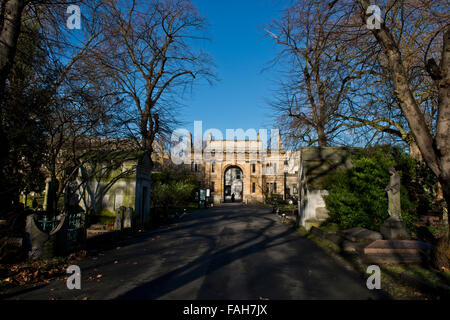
<point>241,51</point>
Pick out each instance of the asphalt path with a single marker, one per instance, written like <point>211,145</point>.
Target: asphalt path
<point>229,252</point>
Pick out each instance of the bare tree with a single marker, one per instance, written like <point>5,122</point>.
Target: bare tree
<point>10,23</point>
<point>432,143</point>
<point>319,81</point>
<point>376,104</point>
<point>78,107</point>
<point>82,104</point>
<point>150,57</point>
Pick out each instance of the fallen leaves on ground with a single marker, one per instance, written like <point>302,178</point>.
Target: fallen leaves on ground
<point>32,272</point>
<point>77,256</point>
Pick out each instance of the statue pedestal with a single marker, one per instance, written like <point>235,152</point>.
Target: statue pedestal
<point>394,229</point>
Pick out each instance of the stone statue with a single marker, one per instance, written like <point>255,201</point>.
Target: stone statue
<point>393,191</point>
<point>394,228</point>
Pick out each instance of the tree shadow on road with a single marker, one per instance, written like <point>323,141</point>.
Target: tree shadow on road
<point>215,258</point>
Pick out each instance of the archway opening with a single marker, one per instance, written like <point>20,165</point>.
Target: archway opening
<point>233,184</point>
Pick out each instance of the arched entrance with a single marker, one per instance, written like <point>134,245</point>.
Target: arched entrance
<point>233,184</point>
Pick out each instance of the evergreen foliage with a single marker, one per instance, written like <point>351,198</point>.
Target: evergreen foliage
<point>357,196</point>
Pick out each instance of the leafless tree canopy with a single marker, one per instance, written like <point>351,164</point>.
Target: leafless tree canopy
<point>121,76</point>
<point>317,81</point>
<point>392,80</point>
<point>149,55</point>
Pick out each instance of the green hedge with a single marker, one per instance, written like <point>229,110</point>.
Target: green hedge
<point>357,197</point>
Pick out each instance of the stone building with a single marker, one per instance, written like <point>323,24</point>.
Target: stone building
<point>112,184</point>
<point>246,169</point>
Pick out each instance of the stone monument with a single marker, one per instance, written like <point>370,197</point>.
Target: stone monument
<point>394,228</point>
<point>128,218</point>
<point>118,223</point>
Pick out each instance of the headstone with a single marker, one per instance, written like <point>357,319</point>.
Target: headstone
<point>38,244</point>
<point>394,228</point>
<point>393,191</point>
<point>398,246</point>
<point>118,223</point>
<point>127,219</point>
<point>397,251</point>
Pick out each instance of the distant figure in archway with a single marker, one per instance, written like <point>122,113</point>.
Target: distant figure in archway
<point>232,197</point>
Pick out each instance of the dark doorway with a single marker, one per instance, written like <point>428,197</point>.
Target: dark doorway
<point>233,184</point>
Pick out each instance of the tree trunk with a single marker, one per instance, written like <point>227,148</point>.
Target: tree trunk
<point>410,109</point>
<point>414,151</point>
<point>445,216</point>
<point>321,136</point>
<point>435,151</point>
<point>9,35</point>
<point>443,126</point>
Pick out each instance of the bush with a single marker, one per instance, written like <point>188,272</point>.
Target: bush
<point>275,200</point>
<point>357,197</point>
<point>172,189</point>
<point>173,193</point>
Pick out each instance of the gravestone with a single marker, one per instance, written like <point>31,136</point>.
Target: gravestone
<point>393,191</point>
<point>69,234</point>
<point>34,238</point>
<point>118,223</point>
<point>40,244</point>
<point>128,217</point>
<point>394,228</point>
<point>406,251</point>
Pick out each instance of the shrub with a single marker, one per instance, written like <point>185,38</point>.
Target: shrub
<point>275,200</point>
<point>172,193</point>
<point>356,195</point>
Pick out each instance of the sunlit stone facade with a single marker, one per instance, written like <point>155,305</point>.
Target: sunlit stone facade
<point>246,169</point>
